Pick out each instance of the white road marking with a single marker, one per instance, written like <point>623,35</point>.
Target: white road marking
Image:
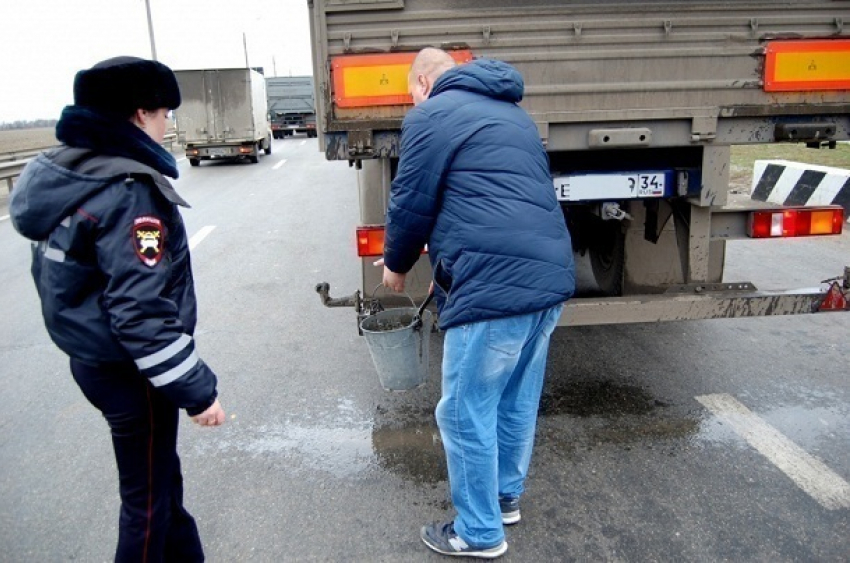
<point>304,141</point>
<point>199,236</point>
<point>181,159</point>
<point>4,217</point>
<point>809,473</point>
<point>279,164</point>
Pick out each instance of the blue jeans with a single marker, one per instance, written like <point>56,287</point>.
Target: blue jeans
<point>492,380</point>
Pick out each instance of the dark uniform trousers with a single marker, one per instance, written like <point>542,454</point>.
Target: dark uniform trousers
<point>153,525</point>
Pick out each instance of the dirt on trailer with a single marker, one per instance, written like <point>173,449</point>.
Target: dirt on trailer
<point>27,140</point>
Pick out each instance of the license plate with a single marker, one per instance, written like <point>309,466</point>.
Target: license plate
<point>584,187</point>
<point>218,152</point>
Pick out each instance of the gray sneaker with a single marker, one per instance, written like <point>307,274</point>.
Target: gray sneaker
<point>441,537</point>
<point>510,510</point>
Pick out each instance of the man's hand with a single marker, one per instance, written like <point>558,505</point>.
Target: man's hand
<point>392,280</point>
<point>213,416</point>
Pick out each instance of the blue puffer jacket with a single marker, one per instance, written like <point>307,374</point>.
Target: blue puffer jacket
<point>473,183</point>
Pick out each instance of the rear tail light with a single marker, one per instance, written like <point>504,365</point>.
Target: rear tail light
<point>370,241</point>
<point>800,222</point>
<point>246,150</point>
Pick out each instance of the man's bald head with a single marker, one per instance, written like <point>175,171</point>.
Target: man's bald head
<point>427,67</point>
<point>431,63</point>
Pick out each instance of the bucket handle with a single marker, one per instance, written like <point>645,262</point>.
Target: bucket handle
<point>381,308</point>
<point>417,320</point>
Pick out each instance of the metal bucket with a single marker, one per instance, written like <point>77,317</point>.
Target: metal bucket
<point>398,343</point>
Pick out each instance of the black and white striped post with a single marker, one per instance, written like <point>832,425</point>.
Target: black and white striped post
<point>785,182</point>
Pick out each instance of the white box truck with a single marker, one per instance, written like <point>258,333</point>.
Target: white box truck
<point>223,115</point>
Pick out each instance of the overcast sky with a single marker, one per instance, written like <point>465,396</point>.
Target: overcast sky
<point>45,42</point>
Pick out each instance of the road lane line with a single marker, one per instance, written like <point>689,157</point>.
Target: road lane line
<point>181,159</point>
<point>304,141</point>
<point>809,473</point>
<point>279,164</point>
<point>4,217</point>
<point>199,236</point>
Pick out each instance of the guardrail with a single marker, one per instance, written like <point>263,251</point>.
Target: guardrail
<point>11,170</point>
<point>12,164</point>
<point>15,156</point>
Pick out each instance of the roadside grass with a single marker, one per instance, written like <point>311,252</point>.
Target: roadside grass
<point>25,140</point>
<point>744,157</point>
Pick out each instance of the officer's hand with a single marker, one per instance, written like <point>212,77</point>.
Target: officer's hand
<point>213,416</point>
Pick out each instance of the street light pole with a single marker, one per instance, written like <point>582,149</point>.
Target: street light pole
<point>150,29</point>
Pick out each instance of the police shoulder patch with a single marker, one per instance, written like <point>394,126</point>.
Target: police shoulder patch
<point>148,239</point>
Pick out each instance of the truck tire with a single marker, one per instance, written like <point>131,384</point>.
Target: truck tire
<point>607,258</point>
<point>194,162</point>
<point>268,148</point>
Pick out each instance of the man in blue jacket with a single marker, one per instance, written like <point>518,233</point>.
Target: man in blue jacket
<point>111,266</point>
<point>473,183</point>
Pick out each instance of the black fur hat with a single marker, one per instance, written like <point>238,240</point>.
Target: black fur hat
<point>121,85</point>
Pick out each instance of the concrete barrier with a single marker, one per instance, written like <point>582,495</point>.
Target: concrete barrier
<point>785,182</point>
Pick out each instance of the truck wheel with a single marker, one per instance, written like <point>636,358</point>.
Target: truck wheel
<point>194,162</point>
<point>253,159</point>
<point>268,148</point>
<point>607,258</point>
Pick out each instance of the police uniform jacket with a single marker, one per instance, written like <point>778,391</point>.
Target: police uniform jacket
<point>110,254</point>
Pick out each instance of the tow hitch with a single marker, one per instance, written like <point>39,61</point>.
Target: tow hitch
<point>354,300</point>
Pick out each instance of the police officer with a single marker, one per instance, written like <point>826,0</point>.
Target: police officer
<point>111,266</point>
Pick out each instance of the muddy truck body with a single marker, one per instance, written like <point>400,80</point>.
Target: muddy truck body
<point>223,114</point>
<point>637,104</point>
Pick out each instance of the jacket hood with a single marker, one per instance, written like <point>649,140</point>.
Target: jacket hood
<point>45,194</point>
<point>56,183</point>
<point>491,78</point>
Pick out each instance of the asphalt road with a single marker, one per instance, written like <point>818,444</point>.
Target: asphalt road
<point>719,440</point>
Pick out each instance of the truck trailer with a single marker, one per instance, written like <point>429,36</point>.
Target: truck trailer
<point>292,105</point>
<point>637,104</point>
<point>223,114</point>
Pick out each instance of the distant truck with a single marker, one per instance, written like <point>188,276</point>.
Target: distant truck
<point>223,114</point>
<point>292,105</point>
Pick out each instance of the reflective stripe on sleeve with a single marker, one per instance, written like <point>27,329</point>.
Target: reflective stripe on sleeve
<point>175,372</point>
<point>165,354</point>
<point>54,254</point>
